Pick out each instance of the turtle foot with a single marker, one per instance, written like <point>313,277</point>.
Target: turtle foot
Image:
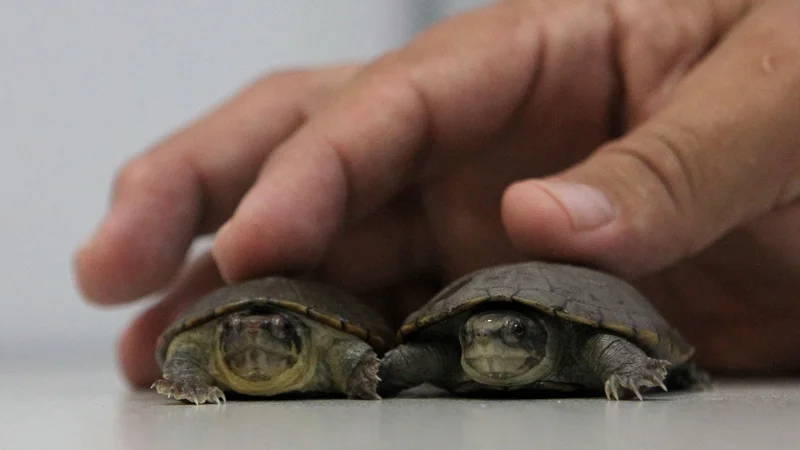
<point>631,378</point>
<point>390,367</point>
<point>189,392</point>
<point>363,382</point>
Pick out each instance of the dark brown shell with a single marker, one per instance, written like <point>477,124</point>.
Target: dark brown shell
<point>320,302</point>
<point>573,293</point>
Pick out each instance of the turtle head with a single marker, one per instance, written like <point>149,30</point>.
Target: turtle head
<point>262,347</point>
<point>503,348</point>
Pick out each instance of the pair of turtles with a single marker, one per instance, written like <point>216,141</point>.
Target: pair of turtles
<point>530,326</point>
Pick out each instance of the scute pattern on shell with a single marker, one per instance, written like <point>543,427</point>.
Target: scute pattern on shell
<point>317,301</point>
<point>573,293</point>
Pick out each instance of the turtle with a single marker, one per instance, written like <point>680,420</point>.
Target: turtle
<point>539,327</point>
<point>271,336</point>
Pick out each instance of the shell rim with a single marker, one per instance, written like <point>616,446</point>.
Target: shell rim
<point>338,323</point>
<point>646,337</point>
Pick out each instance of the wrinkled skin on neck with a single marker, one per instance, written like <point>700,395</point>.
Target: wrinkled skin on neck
<point>265,350</point>
<point>504,348</point>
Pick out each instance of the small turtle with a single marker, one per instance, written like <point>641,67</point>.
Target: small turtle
<point>271,336</point>
<point>541,326</point>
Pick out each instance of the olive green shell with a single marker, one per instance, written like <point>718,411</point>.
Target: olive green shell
<point>572,293</point>
<point>320,302</point>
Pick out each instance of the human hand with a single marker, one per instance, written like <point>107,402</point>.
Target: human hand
<point>656,140</point>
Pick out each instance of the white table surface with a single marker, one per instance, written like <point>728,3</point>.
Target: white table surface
<point>68,406</point>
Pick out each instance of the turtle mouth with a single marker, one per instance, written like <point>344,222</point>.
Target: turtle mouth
<point>262,353</point>
<point>497,367</point>
<point>259,363</point>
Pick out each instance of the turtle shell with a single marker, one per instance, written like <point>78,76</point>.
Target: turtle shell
<point>576,294</point>
<point>319,302</point>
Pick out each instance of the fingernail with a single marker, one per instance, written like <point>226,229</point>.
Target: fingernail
<point>215,252</point>
<point>587,206</point>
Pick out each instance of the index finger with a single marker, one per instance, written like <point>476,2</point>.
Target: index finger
<point>405,114</point>
<point>190,183</point>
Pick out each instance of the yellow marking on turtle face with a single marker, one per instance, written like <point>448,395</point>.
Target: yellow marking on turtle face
<point>293,378</point>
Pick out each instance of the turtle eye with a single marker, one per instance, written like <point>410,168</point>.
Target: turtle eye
<point>234,323</point>
<point>280,327</point>
<point>287,328</point>
<point>517,329</point>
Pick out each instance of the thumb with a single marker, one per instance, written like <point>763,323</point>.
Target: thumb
<point>722,152</point>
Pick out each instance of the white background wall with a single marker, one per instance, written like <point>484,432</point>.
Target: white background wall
<point>86,84</point>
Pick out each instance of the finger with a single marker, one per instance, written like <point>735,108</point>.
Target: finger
<point>385,249</point>
<point>452,89</point>
<point>191,183</point>
<point>722,152</point>
<point>136,347</point>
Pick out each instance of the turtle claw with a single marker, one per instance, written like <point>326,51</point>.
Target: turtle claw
<point>658,382</point>
<point>194,393</point>
<point>635,390</point>
<point>650,374</point>
<point>611,388</point>
<point>363,382</point>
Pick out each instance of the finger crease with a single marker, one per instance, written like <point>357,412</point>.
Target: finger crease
<point>617,101</point>
<point>426,138</point>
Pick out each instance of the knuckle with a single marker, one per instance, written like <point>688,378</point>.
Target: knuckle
<point>775,18</point>
<point>774,28</point>
<point>147,175</point>
<point>283,78</point>
<point>298,86</point>
<point>391,84</point>
<point>655,43</point>
<point>659,28</point>
<point>670,153</point>
<point>308,90</point>
<point>136,174</point>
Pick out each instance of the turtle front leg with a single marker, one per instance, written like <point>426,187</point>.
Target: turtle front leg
<point>354,368</point>
<point>621,364</point>
<point>415,363</point>
<point>185,378</point>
